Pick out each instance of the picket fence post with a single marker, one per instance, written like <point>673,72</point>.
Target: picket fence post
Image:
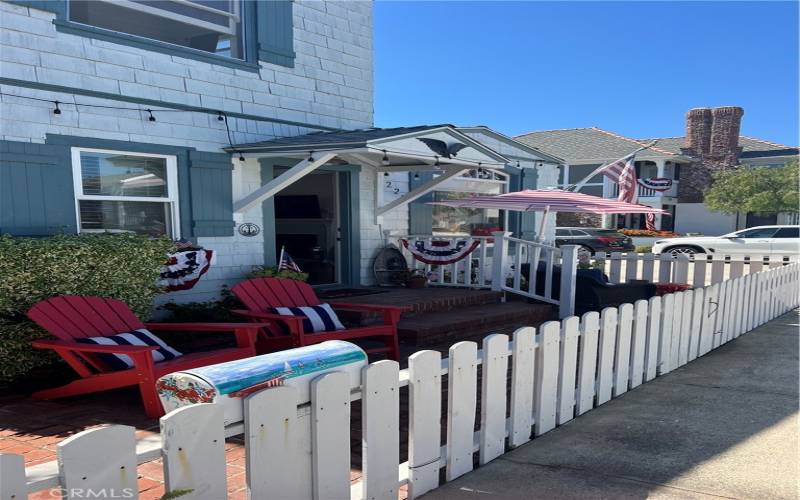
<point>569,269</point>
<point>99,460</point>
<point>493,397</point>
<point>522,377</point>
<point>380,404</point>
<point>424,421</point>
<point>12,477</point>
<point>462,379</point>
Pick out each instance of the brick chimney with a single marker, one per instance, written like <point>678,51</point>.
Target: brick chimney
<point>712,137</point>
<point>698,131</point>
<point>725,135</point>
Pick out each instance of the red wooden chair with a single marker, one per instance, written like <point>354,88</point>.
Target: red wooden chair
<point>260,295</point>
<point>72,317</point>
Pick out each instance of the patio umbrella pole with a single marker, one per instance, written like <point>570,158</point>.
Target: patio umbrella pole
<point>540,236</point>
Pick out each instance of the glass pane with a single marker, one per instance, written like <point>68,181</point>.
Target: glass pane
<point>112,174</point>
<point>141,217</point>
<point>758,233</point>
<point>217,32</point>
<point>788,232</point>
<point>472,221</point>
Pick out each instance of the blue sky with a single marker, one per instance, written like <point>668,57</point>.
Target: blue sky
<point>632,68</point>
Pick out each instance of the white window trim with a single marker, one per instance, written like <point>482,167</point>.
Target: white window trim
<point>172,188</point>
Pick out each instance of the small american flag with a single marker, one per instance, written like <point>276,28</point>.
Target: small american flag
<point>623,172</point>
<point>286,262</point>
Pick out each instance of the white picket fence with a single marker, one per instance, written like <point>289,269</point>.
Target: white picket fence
<point>301,448</point>
<point>699,271</point>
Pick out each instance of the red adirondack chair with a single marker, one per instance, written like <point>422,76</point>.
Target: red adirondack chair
<point>73,317</point>
<point>260,295</point>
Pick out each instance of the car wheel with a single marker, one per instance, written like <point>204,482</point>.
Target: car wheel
<point>682,250</point>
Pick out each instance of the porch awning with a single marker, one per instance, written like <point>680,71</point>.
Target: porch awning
<point>439,148</point>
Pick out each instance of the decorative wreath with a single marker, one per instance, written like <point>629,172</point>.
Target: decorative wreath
<point>184,269</point>
<point>441,251</point>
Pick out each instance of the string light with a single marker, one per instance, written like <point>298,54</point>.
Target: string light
<point>386,174</point>
<point>385,159</point>
<point>219,117</point>
<point>310,156</point>
<point>416,176</point>
<point>151,118</point>
<point>56,111</point>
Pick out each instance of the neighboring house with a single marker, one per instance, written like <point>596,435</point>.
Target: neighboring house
<point>712,143</point>
<point>244,126</point>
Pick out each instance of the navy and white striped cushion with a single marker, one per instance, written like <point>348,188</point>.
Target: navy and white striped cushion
<point>319,318</point>
<point>136,337</point>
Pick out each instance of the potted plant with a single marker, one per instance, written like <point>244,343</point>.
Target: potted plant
<point>416,278</point>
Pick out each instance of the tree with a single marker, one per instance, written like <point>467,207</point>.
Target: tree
<point>760,189</point>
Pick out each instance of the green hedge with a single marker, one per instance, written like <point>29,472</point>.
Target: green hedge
<point>122,266</point>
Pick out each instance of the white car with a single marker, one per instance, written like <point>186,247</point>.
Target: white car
<point>760,240</point>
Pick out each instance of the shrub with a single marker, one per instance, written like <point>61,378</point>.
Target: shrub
<point>122,266</point>
<point>272,272</point>
<point>213,311</point>
<point>644,249</point>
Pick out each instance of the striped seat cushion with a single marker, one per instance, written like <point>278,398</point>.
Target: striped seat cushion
<point>319,318</point>
<point>136,337</point>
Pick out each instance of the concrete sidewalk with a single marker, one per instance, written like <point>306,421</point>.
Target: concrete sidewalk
<point>723,426</point>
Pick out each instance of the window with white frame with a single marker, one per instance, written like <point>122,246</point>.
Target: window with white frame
<point>471,221</point>
<point>213,26</point>
<point>119,191</point>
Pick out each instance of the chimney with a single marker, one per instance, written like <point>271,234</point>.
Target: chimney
<point>698,131</point>
<point>725,127</point>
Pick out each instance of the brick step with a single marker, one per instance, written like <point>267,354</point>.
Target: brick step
<point>429,328</point>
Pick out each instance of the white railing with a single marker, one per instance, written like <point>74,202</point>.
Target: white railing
<point>482,269</point>
<point>300,448</point>
<point>474,271</point>
<point>698,271</point>
<point>518,254</point>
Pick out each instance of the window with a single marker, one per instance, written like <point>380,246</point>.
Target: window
<point>120,191</point>
<point>213,26</point>
<point>471,221</point>
<point>764,232</point>
<point>563,232</point>
<point>788,232</point>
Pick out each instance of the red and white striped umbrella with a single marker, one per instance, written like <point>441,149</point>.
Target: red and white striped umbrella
<point>551,200</point>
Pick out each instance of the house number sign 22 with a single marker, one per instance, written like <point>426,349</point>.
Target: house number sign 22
<point>249,229</point>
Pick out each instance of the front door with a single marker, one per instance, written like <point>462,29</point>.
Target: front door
<point>308,225</point>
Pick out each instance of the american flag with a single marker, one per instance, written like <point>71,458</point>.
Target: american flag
<point>650,222</point>
<point>286,262</point>
<point>623,172</point>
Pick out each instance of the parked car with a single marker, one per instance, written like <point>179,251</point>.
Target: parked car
<point>591,239</point>
<point>760,240</point>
